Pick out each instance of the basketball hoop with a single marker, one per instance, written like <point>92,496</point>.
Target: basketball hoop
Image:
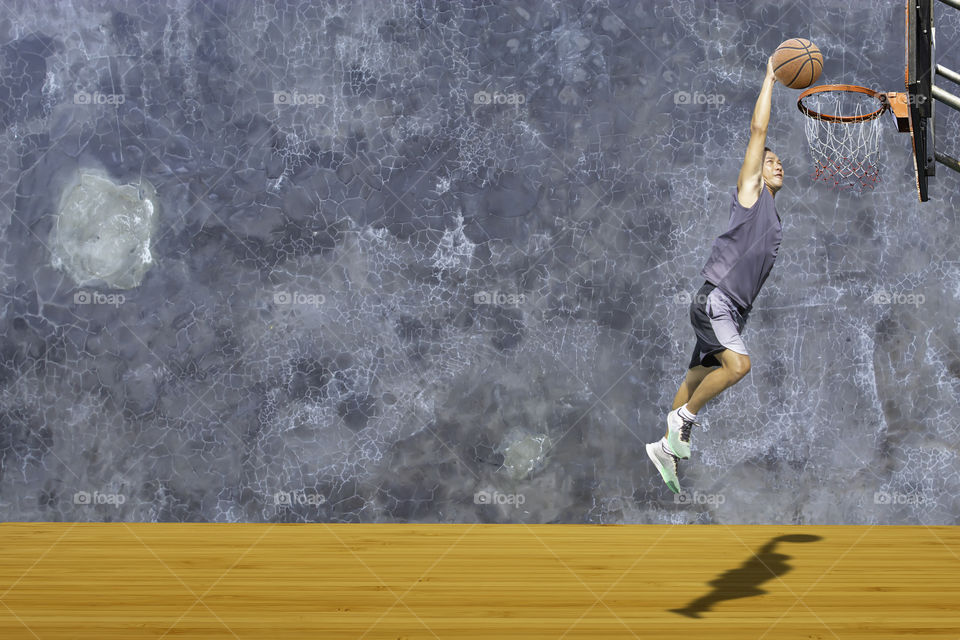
<point>843,132</point>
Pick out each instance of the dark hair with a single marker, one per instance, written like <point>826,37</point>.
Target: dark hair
<point>765,149</point>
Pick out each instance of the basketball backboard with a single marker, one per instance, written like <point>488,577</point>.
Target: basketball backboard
<point>919,79</point>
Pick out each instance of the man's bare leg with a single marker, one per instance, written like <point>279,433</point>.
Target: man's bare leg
<point>733,367</point>
<point>694,377</point>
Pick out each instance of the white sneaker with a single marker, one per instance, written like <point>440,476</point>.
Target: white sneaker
<point>678,433</point>
<point>666,464</point>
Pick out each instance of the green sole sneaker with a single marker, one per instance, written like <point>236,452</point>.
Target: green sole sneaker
<point>678,434</point>
<point>666,464</point>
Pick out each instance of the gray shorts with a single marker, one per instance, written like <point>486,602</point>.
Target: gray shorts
<point>717,322</point>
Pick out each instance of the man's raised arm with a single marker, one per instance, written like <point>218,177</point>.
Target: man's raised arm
<point>750,181</point>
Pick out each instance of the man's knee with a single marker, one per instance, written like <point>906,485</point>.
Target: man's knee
<point>738,365</point>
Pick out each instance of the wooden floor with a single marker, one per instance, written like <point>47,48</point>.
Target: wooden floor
<point>379,581</point>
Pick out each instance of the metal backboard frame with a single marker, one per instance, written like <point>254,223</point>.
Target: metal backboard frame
<point>919,80</point>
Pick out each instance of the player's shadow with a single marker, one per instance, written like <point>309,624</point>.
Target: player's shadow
<point>744,581</point>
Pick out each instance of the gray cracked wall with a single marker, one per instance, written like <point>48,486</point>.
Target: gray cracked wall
<point>379,295</point>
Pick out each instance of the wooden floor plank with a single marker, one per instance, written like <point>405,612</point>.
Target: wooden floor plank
<point>380,581</point>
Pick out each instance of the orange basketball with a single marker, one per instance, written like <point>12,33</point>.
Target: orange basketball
<point>797,63</point>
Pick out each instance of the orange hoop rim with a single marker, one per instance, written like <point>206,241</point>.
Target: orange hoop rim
<point>881,98</point>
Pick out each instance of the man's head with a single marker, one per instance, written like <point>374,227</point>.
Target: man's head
<point>772,170</point>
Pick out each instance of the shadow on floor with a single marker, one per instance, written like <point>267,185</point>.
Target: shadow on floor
<point>744,581</point>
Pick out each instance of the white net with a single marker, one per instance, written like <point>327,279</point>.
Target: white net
<point>845,154</point>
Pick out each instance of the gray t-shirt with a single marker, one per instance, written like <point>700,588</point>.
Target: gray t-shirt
<point>742,257</point>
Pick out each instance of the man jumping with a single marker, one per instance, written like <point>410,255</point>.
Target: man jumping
<point>739,263</point>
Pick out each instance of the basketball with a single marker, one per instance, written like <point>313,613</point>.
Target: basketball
<point>797,63</point>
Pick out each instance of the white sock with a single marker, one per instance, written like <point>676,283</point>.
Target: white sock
<point>686,413</point>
